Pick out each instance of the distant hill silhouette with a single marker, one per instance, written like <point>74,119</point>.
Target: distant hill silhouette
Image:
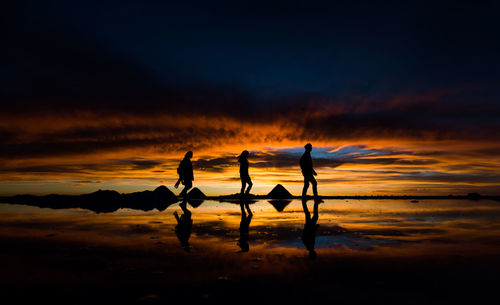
<point>474,196</point>
<point>279,204</point>
<point>160,199</point>
<point>102,201</point>
<point>238,196</point>
<point>279,192</point>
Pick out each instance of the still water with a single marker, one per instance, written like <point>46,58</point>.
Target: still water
<point>379,227</point>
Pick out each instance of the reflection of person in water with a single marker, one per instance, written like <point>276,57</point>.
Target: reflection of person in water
<point>245,226</point>
<point>245,177</point>
<point>307,171</point>
<point>185,172</point>
<point>183,227</point>
<point>310,227</point>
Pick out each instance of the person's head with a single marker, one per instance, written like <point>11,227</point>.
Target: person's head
<point>244,155</point>
<point>189,155</point>
<point>308,147</point>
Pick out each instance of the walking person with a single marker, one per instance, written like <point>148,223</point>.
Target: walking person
<point>245,177</point>
<point>185,172</point>
<point>308,172</point>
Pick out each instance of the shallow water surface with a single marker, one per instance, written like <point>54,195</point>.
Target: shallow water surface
<point>383,227</point>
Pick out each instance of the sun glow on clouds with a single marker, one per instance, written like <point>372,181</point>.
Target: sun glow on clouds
<point>398,145</point>
<point>358,169</point>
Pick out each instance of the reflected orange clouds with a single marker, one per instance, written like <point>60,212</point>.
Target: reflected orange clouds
<point>364,227</point>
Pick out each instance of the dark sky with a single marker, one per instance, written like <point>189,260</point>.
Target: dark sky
<point>265,50</point>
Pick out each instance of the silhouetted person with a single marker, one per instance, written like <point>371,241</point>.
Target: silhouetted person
<point>183,227</point>
<point>245,177</point>
<point>307,171</point>
<point>310,227</point>
<point>245,226</point>
<point>185,172</point>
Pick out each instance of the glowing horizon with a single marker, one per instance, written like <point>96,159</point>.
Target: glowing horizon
<point>343,169</point>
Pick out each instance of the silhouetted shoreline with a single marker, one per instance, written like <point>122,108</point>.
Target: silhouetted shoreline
<point>103,201</point>
<point>362,197</point>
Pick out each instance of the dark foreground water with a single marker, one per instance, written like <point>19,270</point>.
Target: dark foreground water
<point>357,251</point>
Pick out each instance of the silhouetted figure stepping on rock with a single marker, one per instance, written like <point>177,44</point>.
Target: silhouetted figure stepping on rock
<point>185,172</point>
<point>308,172</point>
<point>245,177</point>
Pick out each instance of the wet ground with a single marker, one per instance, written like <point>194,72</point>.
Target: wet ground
<point>357,251</point>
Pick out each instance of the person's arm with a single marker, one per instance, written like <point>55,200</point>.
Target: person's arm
<point>311,165</point>
<point>180,172</point>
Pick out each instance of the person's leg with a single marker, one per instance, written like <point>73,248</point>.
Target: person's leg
<point>315,186</point>
<point>187,186</point>
<point>242,207</point>
<point>185,211</point>
<point>307,214</point>
<point>250,184</point>
<point>243,184</point>
<point>315,211</point>
<point>183,192</point>
<point>306,186</point>
<point>247,206</point>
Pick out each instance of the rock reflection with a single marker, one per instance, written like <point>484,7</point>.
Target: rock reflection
<point>195,202</point>
<point>280,204</point>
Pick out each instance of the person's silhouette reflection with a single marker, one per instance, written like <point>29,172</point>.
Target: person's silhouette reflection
<point>307,171</point>
<point>185,172</point>
<point>245,177</point>
<point>183,227</point>
<point>245,226</point>
<point>310,227</point>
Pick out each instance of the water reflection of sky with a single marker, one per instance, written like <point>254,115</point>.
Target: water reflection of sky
<point>374,226</point>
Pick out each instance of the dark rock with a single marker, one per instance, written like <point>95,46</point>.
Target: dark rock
<point>279,192</point>
<point>195,193</point>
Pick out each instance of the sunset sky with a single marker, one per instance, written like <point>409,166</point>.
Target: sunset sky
<point>396,98</point>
